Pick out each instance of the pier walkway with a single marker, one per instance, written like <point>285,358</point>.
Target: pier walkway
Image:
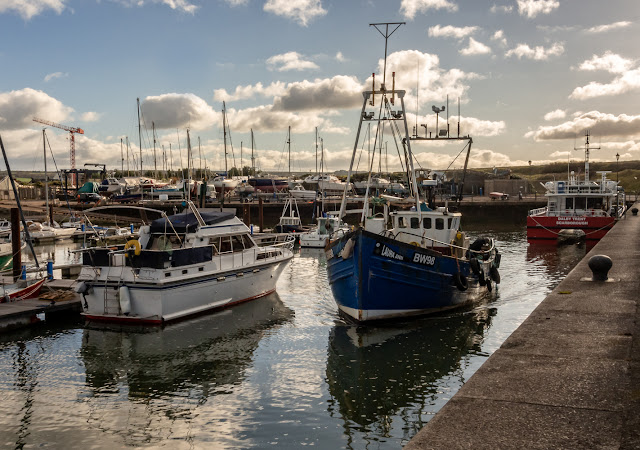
<point>569,376</point>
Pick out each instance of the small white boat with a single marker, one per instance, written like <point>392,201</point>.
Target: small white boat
<point>301,193</point>
<point>328,228</point>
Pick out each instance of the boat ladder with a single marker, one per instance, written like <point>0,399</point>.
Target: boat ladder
<point>112,296</point>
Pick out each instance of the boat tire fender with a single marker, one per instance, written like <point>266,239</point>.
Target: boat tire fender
<point>494,274</point>
<point>461,282</point>
<point>481,279</point>
<point>497,259</point>
<point>475,266</point>
<point>133,243</point>
<point>489,285</point>
<point>125,300</point>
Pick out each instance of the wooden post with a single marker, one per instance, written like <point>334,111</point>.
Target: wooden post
<point>16,242</point>
<point>260,215</point>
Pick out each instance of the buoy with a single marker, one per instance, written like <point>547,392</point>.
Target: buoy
<point>461,282</point>
<point>494,274</point>
<point>125,300</point>
<point>135,244</point>
<point>348,249</point>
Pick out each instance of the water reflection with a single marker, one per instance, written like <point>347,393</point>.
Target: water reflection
<point>555,260</point>
<point>181,366</point>
<point>378,373</point>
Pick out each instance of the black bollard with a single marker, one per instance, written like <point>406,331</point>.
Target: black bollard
<point>600,266</point>
<point>634,211</point>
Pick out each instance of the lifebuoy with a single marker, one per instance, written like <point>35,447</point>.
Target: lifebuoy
<point>494,274</point>
<point>414,243</point>
<point>136,246</point>
<point>461,282</point>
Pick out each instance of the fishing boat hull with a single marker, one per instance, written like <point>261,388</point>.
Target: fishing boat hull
<point>542,227</point>
<point>376,278</point>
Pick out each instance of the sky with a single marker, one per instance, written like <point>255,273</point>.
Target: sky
<point>529,78</point>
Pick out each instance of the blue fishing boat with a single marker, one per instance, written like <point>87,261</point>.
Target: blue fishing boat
<point>409,261</point>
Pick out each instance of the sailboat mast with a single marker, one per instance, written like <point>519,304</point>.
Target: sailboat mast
<point>188,166</point>
<point>46,178</point>
<point>127,138</point>
<point>253,160</point>
<point>155,160</point>
<point>140,137</point>
<point>224,131</point>
<point>121,158</point>
<point>289,143</point>
<point>316,150</point>
<point>200,156</point>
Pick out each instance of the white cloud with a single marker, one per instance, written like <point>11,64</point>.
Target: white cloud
<point>237,2</point>
<point>290,61</point>
<point>409,8</point>
<point>339,92</point>
<point>266,118</point>
<point>181,5</point>
<point>53,75</point>
<point>608,27</point>
<point>554,115</point>
<point>413,67</point>
<point>340,57</point>
<point>475,48</point>
<point>531,8</point>
<point>30,8</point>
<point>17,109</point>
<point>178,111</point>
<point>300,11</point>
<point>610,62</point>
<point>538,53</point>
<point>498,36</point>
<point>600,124</point>
<point>90,116</point>
<point>250,91</point>
<point>451,31</point>
<point>501,8</point>
<point>627,82</point>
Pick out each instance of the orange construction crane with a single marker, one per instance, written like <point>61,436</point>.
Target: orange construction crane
<point>71,130</point>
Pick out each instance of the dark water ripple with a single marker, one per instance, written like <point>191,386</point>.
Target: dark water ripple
<point>285,371</point>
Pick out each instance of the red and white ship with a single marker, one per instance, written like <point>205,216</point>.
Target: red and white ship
<point>590,206</point>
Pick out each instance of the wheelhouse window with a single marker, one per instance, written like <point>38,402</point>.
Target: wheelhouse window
<point>248,243</point>
<point>238,245</point>
<point>225,244</point>
<point>450,221</point>
<point>415,222</point>
<point>426,223</point>
<point>401,222</point>
<point>439,224</point>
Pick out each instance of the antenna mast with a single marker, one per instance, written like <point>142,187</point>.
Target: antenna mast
<point>386,34</point>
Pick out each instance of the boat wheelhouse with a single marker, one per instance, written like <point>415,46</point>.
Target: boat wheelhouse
<point>181,265</point>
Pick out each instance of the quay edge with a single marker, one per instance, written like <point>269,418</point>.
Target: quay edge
<point>569,376</point>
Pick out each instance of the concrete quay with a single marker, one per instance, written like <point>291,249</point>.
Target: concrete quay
<point>569,376</point>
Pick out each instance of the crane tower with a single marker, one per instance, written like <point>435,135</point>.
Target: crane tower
<point>71,130</point>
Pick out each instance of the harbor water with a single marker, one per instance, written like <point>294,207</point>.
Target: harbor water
<point>282,371</point>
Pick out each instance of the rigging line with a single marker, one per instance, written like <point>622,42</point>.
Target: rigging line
<point>66,196</point>
<point>454,159</point>
<point>395,132</point>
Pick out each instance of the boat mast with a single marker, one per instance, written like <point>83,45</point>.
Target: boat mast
<point>140,137</point>
<point>586,155</point>
<point>224,130</point>
<point>371,94</point>
<point>188,166</point>
<point>155,160</point>
<point>253,160</point>
<point>316,151</point>
<point>46,179</point>
<point>121,158</point>
<point>289,143</point>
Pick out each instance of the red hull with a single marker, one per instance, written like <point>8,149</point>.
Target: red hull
<point>548,227</point>
<point>31,291</point>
